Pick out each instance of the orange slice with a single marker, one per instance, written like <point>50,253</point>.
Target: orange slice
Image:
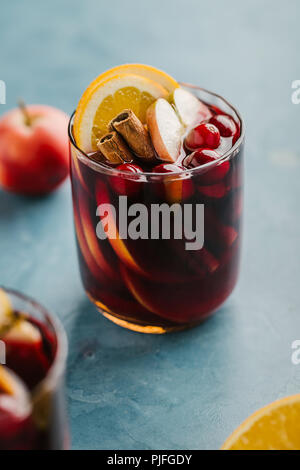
<point>6,313</point>
<point>92,242</point>
<point>274,427</point>
<point>133,87</point>
<point>6,385</point>
<point>147,71</point>
<point>14,402</point>
<point>117,243</point>
<point>84,249</point>
<point>5,305</point>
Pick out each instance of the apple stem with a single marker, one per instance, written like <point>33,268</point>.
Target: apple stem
<point>25,113</point>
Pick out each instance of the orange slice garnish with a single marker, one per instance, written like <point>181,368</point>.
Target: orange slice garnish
<point>133,87</point>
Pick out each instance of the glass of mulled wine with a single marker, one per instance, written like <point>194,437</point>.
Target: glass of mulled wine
<point>134,227</point>
<point>34,346</point>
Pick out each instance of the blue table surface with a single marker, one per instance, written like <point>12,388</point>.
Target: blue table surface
<point>187,390</point>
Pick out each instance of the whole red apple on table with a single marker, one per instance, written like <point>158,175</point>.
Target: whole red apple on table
<point>33,149</point>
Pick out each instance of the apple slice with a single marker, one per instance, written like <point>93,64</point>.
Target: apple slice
<point>190,109</point>
<point>13,327</point>
<point>23,332</point>
<point>165,129</point>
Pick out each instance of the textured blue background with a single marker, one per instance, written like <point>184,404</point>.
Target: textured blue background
<point>191,389</point>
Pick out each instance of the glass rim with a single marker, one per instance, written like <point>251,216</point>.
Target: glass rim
<point>181,173</point>
<point>58,365</point>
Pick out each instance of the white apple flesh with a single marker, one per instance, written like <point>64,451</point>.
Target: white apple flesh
<point>15,329</point>
<point>190,109</point>
<point>165,129</point>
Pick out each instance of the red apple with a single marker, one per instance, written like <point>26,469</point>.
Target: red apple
<point>34,154</point>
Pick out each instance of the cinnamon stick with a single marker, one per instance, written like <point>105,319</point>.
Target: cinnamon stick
<point>128,125</point>
<point>113,147</point>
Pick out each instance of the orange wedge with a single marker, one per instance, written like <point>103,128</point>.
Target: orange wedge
<point>274,427</point>
<point>5,304</point>
<point>6,312</point>
<point>6,384</point>
<point>117,243</point>
<point>134,87</point>
<point>92,241</point>
<point>147,71</point>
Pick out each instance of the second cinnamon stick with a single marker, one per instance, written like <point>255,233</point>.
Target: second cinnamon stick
<point>128,125</point>
<point>113,147</point>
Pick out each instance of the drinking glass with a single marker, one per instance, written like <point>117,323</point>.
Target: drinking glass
<point>156,284</point>
<point>40,367</point>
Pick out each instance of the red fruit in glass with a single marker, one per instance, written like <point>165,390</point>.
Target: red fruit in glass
<point>167,168</point>
<point>204,135</point>
<point>217,190</point>
<point>174,190</point>
<point>126,187</point>
<point>225,124</point>
<point>203,156</point>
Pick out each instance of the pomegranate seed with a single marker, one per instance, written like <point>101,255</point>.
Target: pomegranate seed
<point>201,157</point>
<point>126,186</point>
<point>225,124</point>
<point>204,135</point>
<point>167,168</point>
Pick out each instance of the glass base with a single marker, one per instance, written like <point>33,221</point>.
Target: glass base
<point>153,325</point>
<point>142,326</point>
<point>152,329</point>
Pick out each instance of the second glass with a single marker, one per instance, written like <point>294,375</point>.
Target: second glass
<point>35,350</point>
